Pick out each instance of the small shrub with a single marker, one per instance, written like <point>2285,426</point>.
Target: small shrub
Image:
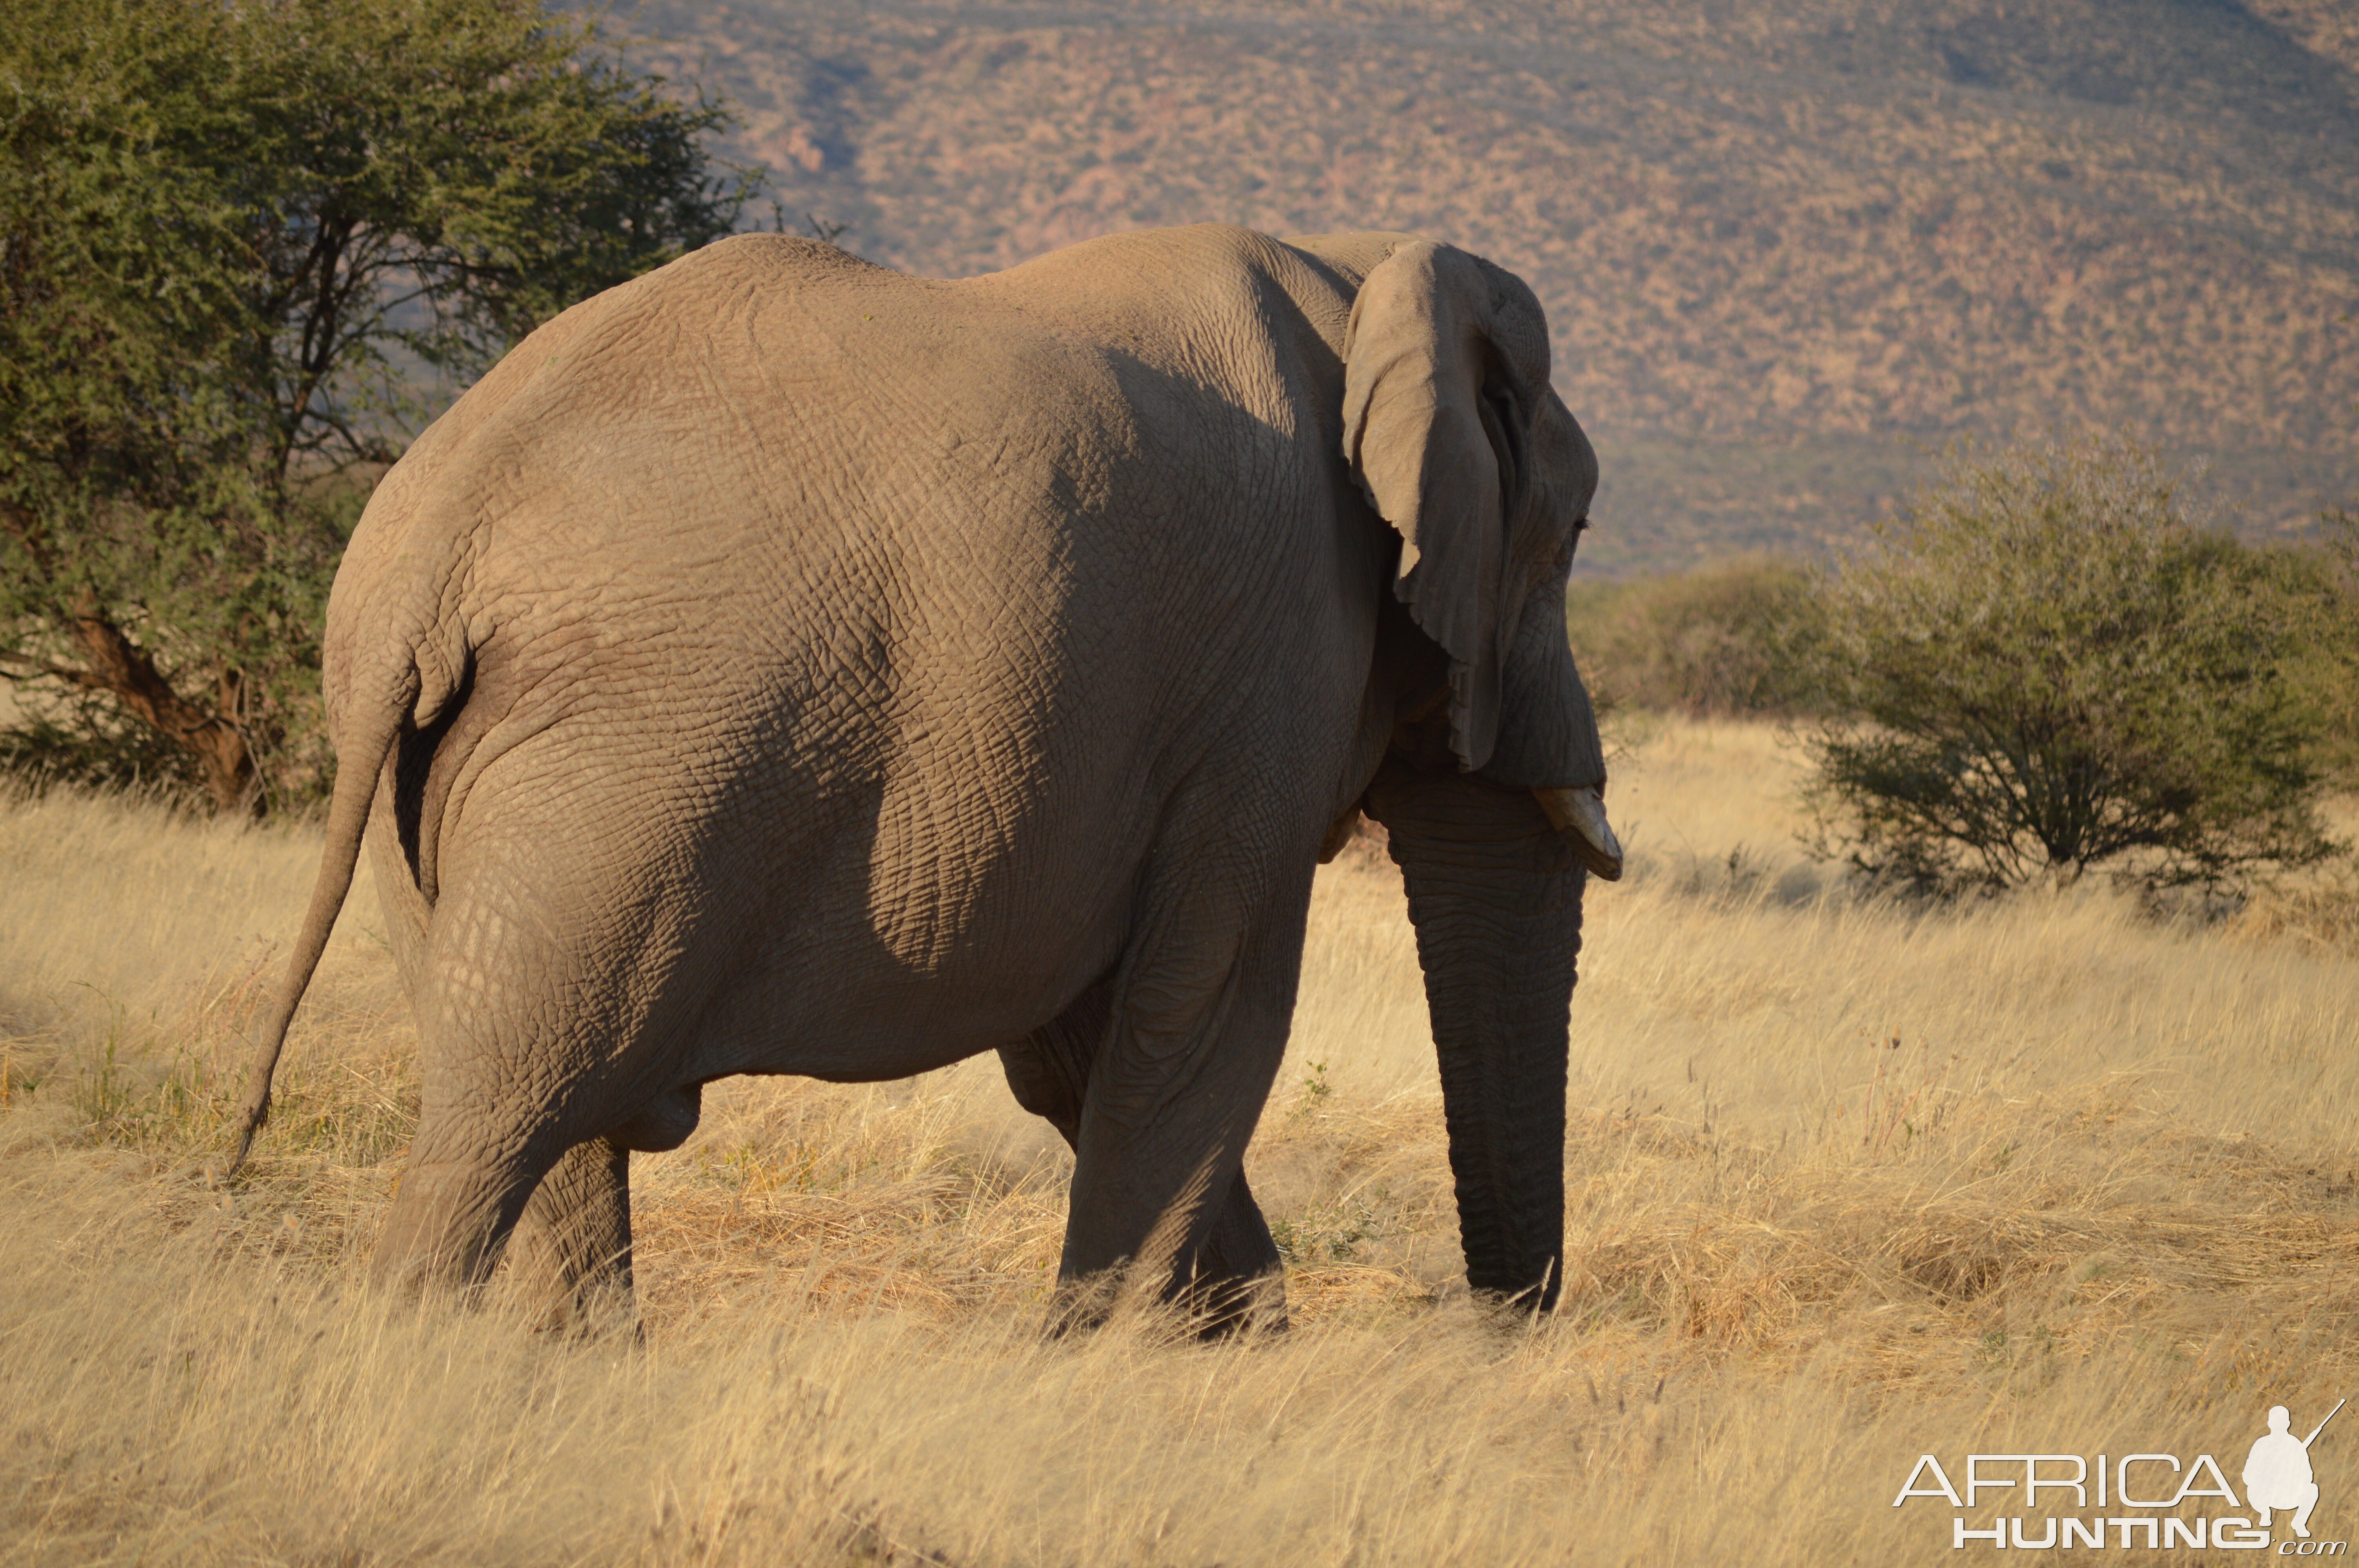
<point>2044,664</point>
<point>1733,638</point>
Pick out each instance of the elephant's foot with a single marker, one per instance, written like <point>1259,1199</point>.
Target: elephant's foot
<point>568,1263</point>
<point>1236,1283</point>
<point>1240,1284</point>
<point>1078,1305</point>
<point>1226,1307</point>
<point>1208,1307</point>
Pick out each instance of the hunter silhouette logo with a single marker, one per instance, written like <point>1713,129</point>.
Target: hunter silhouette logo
<point>2277,1474</point>
<point>2138,1498</point>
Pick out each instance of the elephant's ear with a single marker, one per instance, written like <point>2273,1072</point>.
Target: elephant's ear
<point>1444,365</point>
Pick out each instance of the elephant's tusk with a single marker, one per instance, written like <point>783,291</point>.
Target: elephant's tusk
<point>1580,815</point>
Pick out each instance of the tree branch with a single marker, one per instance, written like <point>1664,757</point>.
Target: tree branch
<point>125,672</point>
<point>118,666</point>
<point>31,668</point>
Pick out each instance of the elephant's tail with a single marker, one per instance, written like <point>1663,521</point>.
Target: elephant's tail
<point>357,767</point>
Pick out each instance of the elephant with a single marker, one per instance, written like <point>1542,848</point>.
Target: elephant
<point>778,664</point>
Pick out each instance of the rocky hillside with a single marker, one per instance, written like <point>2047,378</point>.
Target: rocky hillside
<point>1790,248</point>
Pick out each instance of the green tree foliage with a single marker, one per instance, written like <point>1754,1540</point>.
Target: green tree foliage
<point>1734,638</point>
<point>235,237</point>
<point>2047,666</point>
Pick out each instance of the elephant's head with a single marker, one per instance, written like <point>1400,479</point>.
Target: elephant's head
<point>1494,791</point>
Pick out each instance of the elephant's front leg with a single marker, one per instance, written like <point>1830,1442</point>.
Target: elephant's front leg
<point>1197,1018</point>
<point>570,1257</point>
<point>1239,1279</point>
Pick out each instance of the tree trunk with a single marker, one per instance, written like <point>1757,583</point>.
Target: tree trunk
<point>120,667</point>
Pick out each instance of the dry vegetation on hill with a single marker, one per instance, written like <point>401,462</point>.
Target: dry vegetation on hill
<point>1787,247</point>
<point>1848,1184</point>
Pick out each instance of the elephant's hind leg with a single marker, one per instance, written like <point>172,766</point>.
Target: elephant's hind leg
<point>570,1257</point>
<point>529,1043</point>
<point>562,976</point>
<point>487,1136</point>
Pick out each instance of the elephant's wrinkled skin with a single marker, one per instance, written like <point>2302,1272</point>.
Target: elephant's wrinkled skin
<point>780,665</point>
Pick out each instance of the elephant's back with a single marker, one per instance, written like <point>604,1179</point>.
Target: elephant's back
<point>809,491</point>
<point>765,386</point>
<point>771,420</point>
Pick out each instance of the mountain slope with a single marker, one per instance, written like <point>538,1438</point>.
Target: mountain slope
<point>1789,249</point>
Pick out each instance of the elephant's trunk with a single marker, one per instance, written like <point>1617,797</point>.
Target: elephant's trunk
<point>1494,894</point>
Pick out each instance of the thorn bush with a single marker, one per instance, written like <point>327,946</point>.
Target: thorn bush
<point>2046,663</point>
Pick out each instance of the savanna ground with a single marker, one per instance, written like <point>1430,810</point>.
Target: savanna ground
<point>1849,1181</point>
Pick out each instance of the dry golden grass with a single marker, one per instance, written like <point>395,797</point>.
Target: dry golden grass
<point>1849,1181</point>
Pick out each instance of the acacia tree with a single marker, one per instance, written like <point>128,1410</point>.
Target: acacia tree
<point>2045,664</point>
<point>237,237</point>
